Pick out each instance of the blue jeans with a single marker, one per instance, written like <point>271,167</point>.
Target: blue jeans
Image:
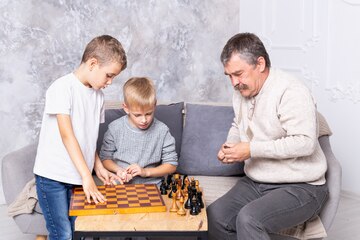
<point>257,211</point>
<point>54,200</point>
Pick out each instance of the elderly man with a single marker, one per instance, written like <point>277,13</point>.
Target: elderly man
<point>275,134</point>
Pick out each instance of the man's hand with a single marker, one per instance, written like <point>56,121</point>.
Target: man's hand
<point>91,190</point>
<point>230,152</point>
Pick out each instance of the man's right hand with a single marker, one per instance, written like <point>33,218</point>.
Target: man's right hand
<point>221,153</point>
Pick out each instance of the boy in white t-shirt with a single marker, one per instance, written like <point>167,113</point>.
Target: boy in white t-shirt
<point>66,153</point>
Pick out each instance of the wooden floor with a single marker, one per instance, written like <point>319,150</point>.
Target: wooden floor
<point>345,227</point>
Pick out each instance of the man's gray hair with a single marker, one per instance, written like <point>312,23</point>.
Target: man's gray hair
<point>248,46</point>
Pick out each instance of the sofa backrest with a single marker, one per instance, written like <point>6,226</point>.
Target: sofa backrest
<point>198,139</point>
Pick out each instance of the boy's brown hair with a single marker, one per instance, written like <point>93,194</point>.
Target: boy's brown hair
<point>139,92</point>
<point>105,49</point>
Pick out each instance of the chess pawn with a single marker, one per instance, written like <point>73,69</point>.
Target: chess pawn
<point>199,199</point>
<point>176,176</point>
<point>163,188</point>
<point>198,208</point>
<point>179,193</point>
<point>197,185</point>
<point>185,181</point>
<point>174,207</point>
<point>194,207</point>
<point>170,193</point>
<point>168,181</point>
<point>181,210</point>
<point>188,200</point>
<point>172,190</point>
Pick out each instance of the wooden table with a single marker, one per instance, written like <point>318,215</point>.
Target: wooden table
<point>143,224</point>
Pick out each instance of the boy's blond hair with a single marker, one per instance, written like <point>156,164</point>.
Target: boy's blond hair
<point>139,92</point>
<point>105,49</point>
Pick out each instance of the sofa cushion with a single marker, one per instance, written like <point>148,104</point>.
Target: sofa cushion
<point>215,187</point>
<point>206,128</point>
<point>170,114</point>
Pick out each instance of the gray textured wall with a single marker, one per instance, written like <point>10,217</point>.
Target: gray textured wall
<point>177,43</point>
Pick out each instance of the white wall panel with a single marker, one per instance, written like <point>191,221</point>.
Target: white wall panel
<point>319,42</point>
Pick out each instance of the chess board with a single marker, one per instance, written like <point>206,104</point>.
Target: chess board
<point>127,198</point>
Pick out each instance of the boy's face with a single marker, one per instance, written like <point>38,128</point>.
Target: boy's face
<point>101,76</point>
<point>140,117</point>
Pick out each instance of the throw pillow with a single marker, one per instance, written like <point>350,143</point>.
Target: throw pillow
<point>206,128</point>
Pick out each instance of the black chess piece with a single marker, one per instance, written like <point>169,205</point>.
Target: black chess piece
<point>198,208</point>
<point>173,190</point>
<point>183,182</point>
<point>170,193</point>
<point>194,207</point>
<point>163,188</point>
<point>188,201</point>
<point>168,181</point>
<point>199,199</point>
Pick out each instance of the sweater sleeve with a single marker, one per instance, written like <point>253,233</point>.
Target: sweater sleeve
<point>168,153</point>
<point>234,133</point>
<point>297,116</point>
<point>108,147</point>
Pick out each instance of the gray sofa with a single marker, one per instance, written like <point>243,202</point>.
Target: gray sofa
<point>199,130</point>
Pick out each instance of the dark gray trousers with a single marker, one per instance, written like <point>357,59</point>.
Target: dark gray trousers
<point>252,210</point>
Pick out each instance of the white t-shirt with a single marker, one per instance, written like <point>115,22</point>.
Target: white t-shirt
<point>67,95</point>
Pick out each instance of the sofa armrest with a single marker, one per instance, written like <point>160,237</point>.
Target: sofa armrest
<point>333,180</point>
<point>17,170</point>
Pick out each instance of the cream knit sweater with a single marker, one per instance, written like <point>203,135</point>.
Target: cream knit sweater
<point>282,131</point>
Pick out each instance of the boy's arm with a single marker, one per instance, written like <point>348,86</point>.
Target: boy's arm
<point>102,173</point>
<point>72,146</point>
<point>119,171</point>
<point>159,171</point>
<point>112,166</point>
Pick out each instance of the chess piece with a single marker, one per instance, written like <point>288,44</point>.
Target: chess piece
<point>174,207</point>
<point>168,181</point>
<point>185,182</point>
<point>199,199</point>
<point>181,210</point>
<point>188,200</point>
<point>176,176</point>
<point>194,210</point>
<point>179,193</point>
<point>185,185</point>
<point>173,190</point>
<point>163,188</point>
<point>197,185</point>
<point>198,208</point>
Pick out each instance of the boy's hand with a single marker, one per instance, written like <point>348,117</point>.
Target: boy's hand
<point>91,190</point>
<point>136,170</point>
<point>108,178</point>
<point>123,176</point>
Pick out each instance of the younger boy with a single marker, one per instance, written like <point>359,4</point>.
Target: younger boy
<point>66,153</point>
<point>138,147</point>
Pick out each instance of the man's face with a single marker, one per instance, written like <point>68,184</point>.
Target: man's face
<point>140,117</point>
<point>244,77</point>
